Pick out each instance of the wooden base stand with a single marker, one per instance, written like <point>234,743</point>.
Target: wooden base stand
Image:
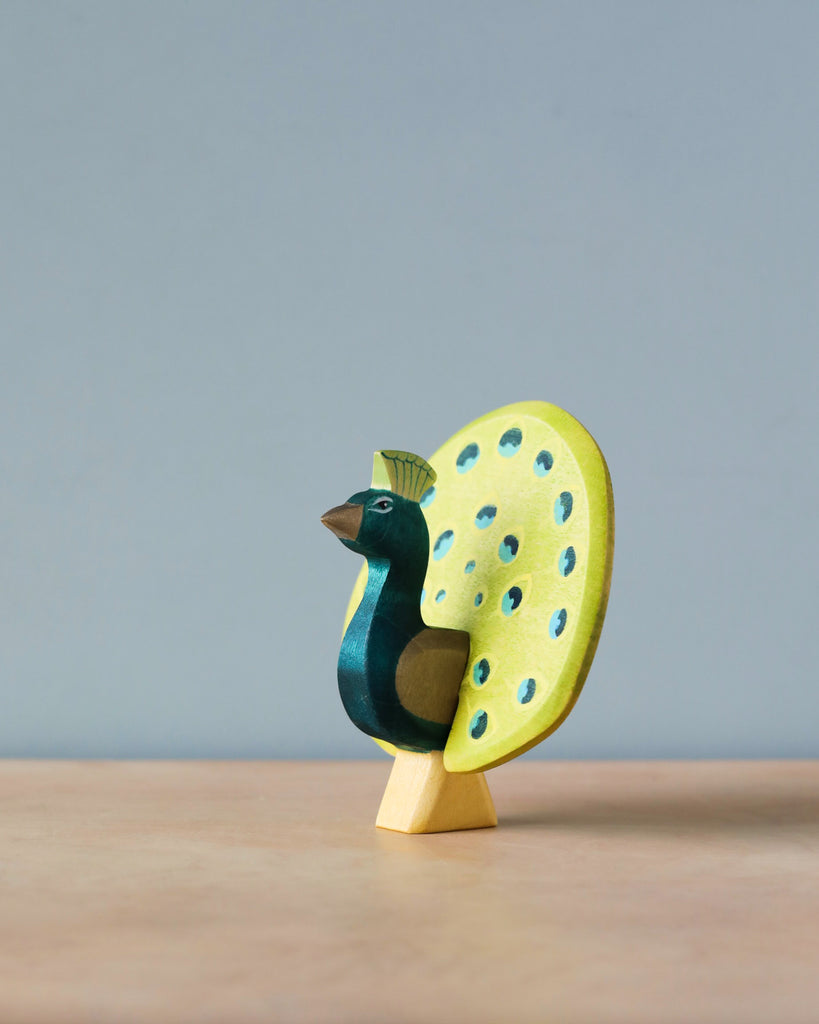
<point>422,796</point>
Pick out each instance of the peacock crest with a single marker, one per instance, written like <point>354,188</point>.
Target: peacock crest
<point>403,473</point>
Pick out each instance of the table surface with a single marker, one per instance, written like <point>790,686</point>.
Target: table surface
<point>260,891</point>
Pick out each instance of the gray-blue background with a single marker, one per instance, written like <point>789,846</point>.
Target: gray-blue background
<point>243,245</point>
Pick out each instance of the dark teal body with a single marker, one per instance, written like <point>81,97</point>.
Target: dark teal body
<point>387,618</point>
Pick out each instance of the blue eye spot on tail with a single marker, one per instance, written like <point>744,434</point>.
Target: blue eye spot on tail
<point>563,507</point>
<point>557,623</point>
<point>470,566</point>
<point>440,596</point>
<point>486,516</point>
<point>543,463</point>
<point>427,497</point>
<point>467,459</point>
<point>477,727</point>
<point>443,544</point>
<point>526,690</point>
<point>508,549</point>
<point>511,600</point>
<point>478,599</point>
<point>480,672</point>
<point>567,561</point>
<point>510,442</point>
<point>423,596</point>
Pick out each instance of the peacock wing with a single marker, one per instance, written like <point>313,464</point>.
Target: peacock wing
<point>430,671</point>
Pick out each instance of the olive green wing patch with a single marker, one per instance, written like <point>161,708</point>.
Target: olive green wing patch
<point>429,674</point>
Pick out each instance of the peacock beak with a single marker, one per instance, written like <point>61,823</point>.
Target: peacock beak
<point>344,520</point>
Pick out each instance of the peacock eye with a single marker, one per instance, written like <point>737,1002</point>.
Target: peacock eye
<point>382,505</point>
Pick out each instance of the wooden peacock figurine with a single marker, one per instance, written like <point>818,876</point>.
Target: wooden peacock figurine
<point>458,658</point>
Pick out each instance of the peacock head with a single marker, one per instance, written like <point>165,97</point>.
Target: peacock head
<point>386,520</point>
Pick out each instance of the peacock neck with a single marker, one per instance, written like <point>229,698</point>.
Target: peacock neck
<point>394,592</point>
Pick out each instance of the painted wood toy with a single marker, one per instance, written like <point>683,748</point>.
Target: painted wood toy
<point>463,652</point>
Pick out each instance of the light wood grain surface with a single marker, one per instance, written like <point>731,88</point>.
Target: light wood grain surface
<point>258,892</point>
